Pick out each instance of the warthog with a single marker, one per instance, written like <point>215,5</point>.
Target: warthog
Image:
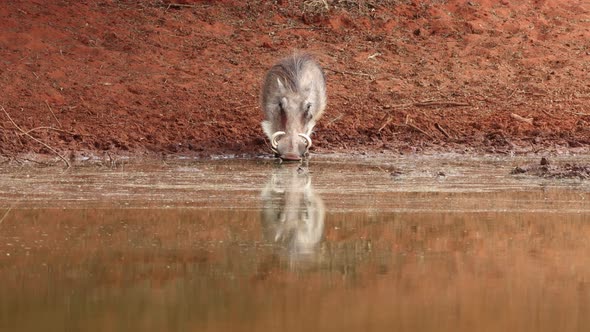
<point>293,99</point>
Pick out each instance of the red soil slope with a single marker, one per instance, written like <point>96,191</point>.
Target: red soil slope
<point>134,77</point>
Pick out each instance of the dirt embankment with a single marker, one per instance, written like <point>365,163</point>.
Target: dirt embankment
<point>134,77</point>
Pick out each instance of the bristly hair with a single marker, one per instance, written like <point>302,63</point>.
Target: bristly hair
<point>289,69</point>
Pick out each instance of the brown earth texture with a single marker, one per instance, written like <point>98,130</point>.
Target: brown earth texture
<point>91,78</point>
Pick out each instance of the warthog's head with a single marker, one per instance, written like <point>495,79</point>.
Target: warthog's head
<point>296,120</point>
<point>293,99</point>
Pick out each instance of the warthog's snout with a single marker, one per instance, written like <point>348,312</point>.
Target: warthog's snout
<point>290,146</point>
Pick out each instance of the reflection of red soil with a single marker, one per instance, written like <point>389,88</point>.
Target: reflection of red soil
<point>142,76</point>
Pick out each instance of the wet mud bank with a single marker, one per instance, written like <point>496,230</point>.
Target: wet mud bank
<point>152,77</point>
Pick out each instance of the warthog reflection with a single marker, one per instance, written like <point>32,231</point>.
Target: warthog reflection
<point>292,214</point>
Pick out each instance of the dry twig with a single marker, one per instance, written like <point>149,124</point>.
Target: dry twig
<point>350,73</point>
<point>520,118</point>
<point>430,103</point>
<point>385,124</point>
<point>238,107</point>
<point>550,115</point>
<point>35,139</point>
<point>49,128</point>
<point>415,127</point>
<point>419,130</point>
<point>406,124</point>
<point>293,27</point>
<point>578,113</point>
<point>446,103</point>
<point>442,130</point>
<point>335,119</point>
<point>55,117</point>
<point>180,5</point>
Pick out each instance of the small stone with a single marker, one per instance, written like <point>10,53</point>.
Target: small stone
<point>395,173</point>
<point>518,170</point>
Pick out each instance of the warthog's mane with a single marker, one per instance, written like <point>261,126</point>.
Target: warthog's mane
<point>291,69</point>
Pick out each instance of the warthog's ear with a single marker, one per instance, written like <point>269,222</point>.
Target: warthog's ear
<point>280,86</point>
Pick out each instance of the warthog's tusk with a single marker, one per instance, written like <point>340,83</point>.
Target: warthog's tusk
<point>274,140</point>
<point>307,140</point>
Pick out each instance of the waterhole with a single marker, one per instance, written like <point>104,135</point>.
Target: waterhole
<point>336,244</point>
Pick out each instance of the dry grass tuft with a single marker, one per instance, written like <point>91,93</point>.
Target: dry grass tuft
<point>315,10</point>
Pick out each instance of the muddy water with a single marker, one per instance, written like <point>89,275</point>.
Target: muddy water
<point>406,244</point>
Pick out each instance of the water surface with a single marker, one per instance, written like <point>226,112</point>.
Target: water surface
<point>404,244</point>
